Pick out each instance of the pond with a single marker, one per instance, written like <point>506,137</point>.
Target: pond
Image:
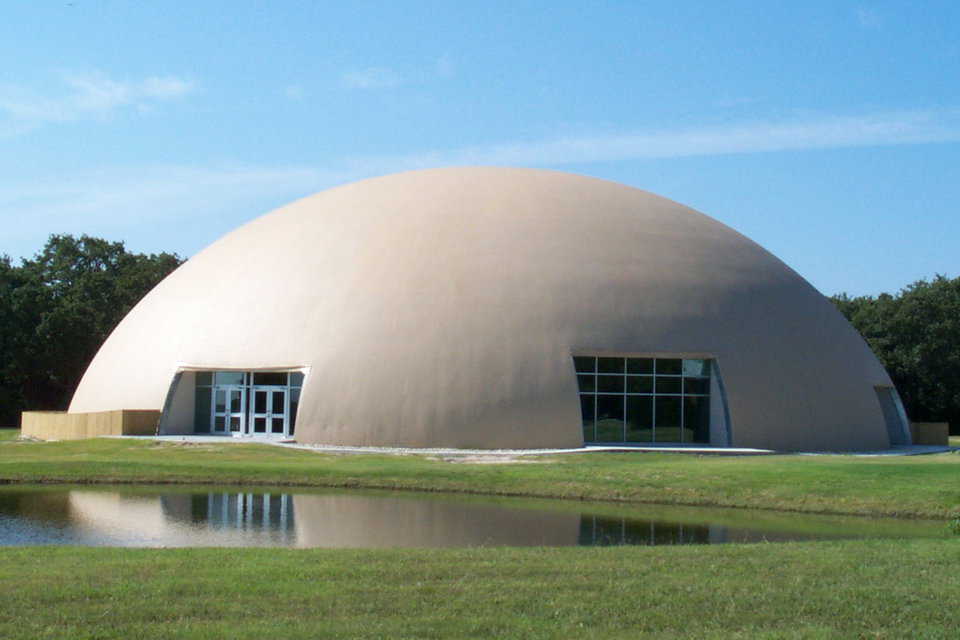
<point>131,516</point>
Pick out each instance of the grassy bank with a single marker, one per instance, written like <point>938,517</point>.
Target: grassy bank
<point>919,486</point>
<point>876,589</point>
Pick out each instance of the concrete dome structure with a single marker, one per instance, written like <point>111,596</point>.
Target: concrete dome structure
<point>495,308</point>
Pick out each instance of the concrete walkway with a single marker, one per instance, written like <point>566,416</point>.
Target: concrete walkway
<point>904,450</point>
<point>911,450</point>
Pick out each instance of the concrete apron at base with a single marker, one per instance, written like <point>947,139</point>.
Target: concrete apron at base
<point>722,451</point>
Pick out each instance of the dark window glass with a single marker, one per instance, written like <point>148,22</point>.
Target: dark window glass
<point>698,368</point>
<point>278,399</point>
<point>610,365</point>
<point>668,385</point>
<point>204,378</point>
<point>696,385</point>
<point>587,412</point>
<point>587,384</point>
<point>667,419</point>
<point>277,425</point>
<point>229,377</point>
<point>639,365</point>
<point>610,384</point>
<point>294,404</point>
<point>221,401</point>
<point>260,401</point>
<point>639,419</point>
<point>219,424</point>
<point>234,424</point>
<point>201,413</point>
<point>236,406</point>
<point>296,378</point>
<point>260,425</point>
<point>609,418</point>
<point>639,384</point>
<point>270,378</point>
<point>585,364</point>
<point>696,420</point>
<point>668,366</point>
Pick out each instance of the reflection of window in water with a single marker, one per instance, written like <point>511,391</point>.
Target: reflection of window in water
<point>604,531</point>
<point>247,511</point>
<point>251,511</point>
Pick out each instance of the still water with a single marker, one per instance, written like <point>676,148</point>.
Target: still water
<point>212,516</point>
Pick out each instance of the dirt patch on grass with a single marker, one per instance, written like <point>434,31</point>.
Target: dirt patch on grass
<point>498,459</point>
<point>195,446</point>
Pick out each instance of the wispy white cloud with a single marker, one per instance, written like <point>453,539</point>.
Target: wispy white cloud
<point>160,203</point>
<point>176,208</point>
<point>824,132</point>
<point>445,66</point>
<point>728,102</point>
<point>294,92</point>
<point>166,87</point>
<point>83,95</point>
<point>372,78</point>
<point>109,193</point>
<point>868,18</point>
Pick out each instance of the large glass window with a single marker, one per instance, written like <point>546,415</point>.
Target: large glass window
<point>644,400</point>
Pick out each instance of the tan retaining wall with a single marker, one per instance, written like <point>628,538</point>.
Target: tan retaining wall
<point>937,433</point>
<point>59,425</point>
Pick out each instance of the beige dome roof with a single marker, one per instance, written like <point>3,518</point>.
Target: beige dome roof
<point>442,308</point>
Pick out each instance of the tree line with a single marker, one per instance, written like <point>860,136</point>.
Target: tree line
<point>916,335</point>
<point>57,308</point>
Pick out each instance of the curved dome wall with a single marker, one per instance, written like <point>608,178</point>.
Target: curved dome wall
<point>442,308</point>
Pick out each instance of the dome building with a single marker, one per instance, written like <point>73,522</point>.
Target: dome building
<point>495,308</point>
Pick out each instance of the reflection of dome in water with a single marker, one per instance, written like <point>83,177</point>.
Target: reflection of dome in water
<point>445,308</point>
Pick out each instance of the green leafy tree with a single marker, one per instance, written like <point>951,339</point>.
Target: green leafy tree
<point>11,397</point>
<point>57,308</point>
<point>916,335</point>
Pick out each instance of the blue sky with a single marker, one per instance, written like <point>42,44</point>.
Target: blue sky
<point>829,132</point>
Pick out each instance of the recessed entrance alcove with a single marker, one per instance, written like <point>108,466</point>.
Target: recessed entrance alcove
<point>259,403</point>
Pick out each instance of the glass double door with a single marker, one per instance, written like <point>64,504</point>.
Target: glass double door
<point>241,410</point>
<point>229,410</point>
<point>268,411</point>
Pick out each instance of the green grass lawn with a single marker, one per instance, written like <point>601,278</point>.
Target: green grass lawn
<point>865,589</point>
<point>917,486</point>
<point>859,589</point>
